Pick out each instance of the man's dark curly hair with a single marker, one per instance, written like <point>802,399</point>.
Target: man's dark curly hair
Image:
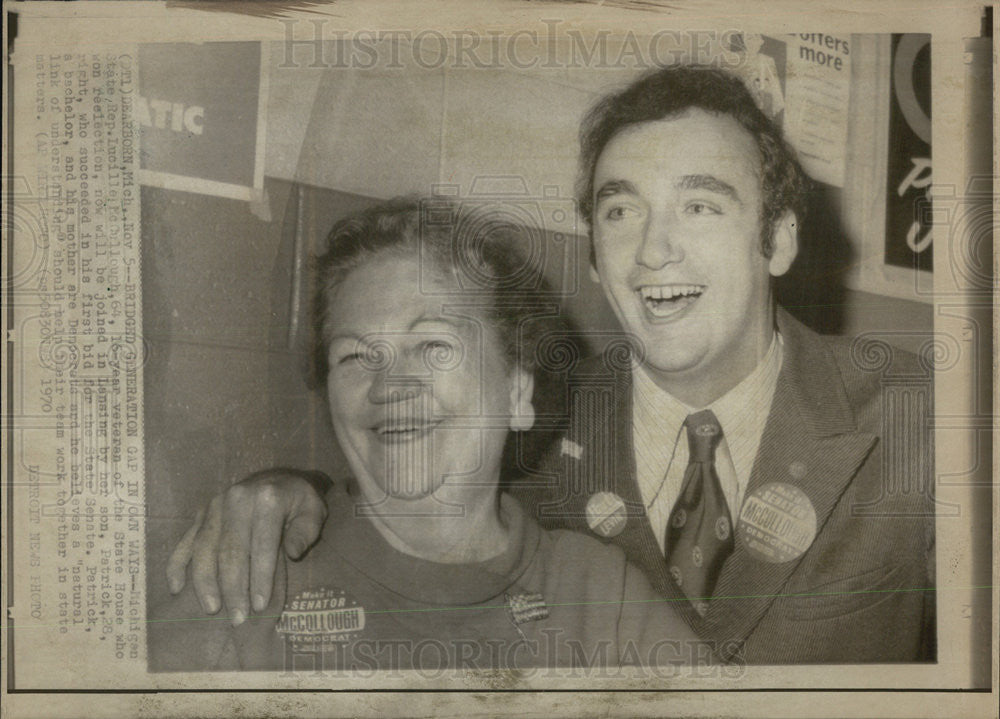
<point>670,92</point>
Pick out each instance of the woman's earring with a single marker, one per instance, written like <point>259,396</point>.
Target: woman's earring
<point>524,419</point>
<point>522,411</point>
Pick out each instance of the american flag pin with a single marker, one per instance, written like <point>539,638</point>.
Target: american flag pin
<point>570,448</point>
<point>524,607</point>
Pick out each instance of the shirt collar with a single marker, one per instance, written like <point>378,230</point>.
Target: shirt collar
<point>656,411</point>
<point>740,411</point>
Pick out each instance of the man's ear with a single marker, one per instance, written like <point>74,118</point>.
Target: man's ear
<point>522,411</point>
<point>785,241</point>
<point>595,278</point>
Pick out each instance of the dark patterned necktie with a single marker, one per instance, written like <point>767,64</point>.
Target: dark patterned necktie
<point>699,536</point>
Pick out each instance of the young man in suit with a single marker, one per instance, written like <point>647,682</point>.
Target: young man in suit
<point>748,465</point>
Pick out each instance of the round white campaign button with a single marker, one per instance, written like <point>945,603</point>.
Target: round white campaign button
<point>777,523</point>
<point>606,514</point>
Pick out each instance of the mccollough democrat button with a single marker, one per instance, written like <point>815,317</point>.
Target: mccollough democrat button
<point>316,619</point>
<point>606,514</point>
<point>777,523</point>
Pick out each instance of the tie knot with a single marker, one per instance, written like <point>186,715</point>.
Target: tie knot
<point>704,433</point>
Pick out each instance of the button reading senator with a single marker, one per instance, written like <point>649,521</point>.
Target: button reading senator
<point>606,514</point>
<point>777,523</point>
<point>314,620</point>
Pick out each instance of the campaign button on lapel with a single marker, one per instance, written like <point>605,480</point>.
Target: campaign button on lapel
<point>777,523</point>
<point>606,514</point>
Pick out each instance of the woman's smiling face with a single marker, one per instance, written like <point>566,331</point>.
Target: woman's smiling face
<point>419,387</point>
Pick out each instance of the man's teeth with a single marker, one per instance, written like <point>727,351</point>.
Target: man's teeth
<point>669,292</point>
<point>402,428</point>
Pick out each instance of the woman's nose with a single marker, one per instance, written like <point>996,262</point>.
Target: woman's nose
<point>387,386</point>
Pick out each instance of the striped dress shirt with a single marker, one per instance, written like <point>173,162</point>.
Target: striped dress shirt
<point>661,447</point>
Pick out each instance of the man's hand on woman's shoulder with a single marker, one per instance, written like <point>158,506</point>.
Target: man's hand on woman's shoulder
<point>234,542</point>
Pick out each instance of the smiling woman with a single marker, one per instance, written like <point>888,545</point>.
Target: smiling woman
<point>426,353</point>
<point>422,385</point>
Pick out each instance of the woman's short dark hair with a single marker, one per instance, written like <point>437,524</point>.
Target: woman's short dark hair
<point>669,92</point>
<point>474,246</point>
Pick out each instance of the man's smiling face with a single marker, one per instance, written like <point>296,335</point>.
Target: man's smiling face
<point>677,241</point>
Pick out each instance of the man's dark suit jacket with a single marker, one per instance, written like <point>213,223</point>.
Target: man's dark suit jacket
<point>849,426</point>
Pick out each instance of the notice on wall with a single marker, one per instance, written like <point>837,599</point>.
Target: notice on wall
<point>816,103</point>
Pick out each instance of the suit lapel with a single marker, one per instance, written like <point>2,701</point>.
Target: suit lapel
<point>614,434</point>
<point>810,441</point>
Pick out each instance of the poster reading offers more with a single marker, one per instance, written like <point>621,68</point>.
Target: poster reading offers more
<point>802,81</point>
<point>818,92</point>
